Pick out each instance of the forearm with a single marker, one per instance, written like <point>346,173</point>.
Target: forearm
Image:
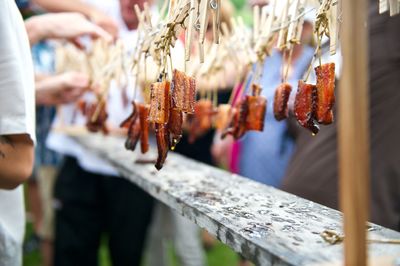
<point>16,160</point>
<point>35,29</point>
<point>65,6</point>
<point>46,87</point>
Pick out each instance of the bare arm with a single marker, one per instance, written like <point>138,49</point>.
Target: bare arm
<point>60,89</point>
<point>89,11</point>
<point>62,25</point>
<point>16,160</point>
<point>65,6</point>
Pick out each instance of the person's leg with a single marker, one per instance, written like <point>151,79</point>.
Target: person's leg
<point>34,205</point>
<point>158,234</point>
<point>34,201</point>
<point>46,179</point>
<point>78,223</point>
<point>128,215</point>
<point>187,241</point>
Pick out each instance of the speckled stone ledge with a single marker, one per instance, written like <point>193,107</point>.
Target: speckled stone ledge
<point>264,224</point>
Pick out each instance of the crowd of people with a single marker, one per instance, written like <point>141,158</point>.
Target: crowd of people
<point>76,197</point>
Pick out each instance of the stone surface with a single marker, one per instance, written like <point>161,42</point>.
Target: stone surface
<point>266,225</point>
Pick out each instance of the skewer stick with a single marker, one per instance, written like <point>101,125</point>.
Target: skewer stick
<point>353,132</point>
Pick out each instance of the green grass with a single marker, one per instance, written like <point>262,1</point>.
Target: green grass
<point>219,255</point>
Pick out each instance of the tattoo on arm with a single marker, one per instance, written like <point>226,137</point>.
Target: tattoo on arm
<point>4,140</point>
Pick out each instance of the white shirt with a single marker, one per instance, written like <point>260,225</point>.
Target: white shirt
<point>17,110</point>
<point>116,111</point>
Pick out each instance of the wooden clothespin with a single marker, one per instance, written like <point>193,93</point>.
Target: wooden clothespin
<point>203,16</point>
<point>190,26</point>
<point>281,44</point>
<point>383,6</point>
<point>294,25</point>
<point>334,26</point>
<point>263,18</point>
<point>256,22</point>
<point>267,21</point>
<point>171,8</point>
<point>147,15</point>
<point>270,20</point>
<point>216,13</point>
<point>394,7</point>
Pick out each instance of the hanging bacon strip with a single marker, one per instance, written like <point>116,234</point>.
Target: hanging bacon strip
<point>162,144</point>
<point>159,102</point>
<point>183,92</point>
<point>144,125</point>
<point>305,106</point>
<point>201,120</point>
<point>326,93</point>
<point>95,125</point>
<point>175,127</point>
<point>222,117</point>
<point>237,126</point>
<point>248,114</point>
<point>132,123</point>
<point>256,108</point>
<point>282,94</point>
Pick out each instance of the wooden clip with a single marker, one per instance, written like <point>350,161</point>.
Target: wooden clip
<point>216,10</point>
<point>333,27</point>
<point>383,6</point>
<point>171,8</point>
<point>270,20</point>
<point>201,52</point>
<point>189,31</point>
<point>263,19</point>
<point>225,30</point>
<point>294,25</point>
<point>204,6</point>
<point>256,22</point>
<point>281,44</point>
<point>394,7</point>
<point>140,14</point>
<point>147,14</point>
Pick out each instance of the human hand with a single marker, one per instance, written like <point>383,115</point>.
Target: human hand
<point>105,22</point>
<point>69,26</point>
<point>221,150</point>
<point>259,2</point>
<point>61,89</point>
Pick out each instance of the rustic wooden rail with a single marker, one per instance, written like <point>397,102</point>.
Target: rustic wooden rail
<point>264,224</point>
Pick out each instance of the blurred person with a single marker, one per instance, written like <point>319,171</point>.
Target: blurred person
<point>60,88</point>
<point>17,127</point>
<point>313,170</point>
<point>68,25</point>
<point>51,90</point>
<point>91,199</point>
<point>96,15</point>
